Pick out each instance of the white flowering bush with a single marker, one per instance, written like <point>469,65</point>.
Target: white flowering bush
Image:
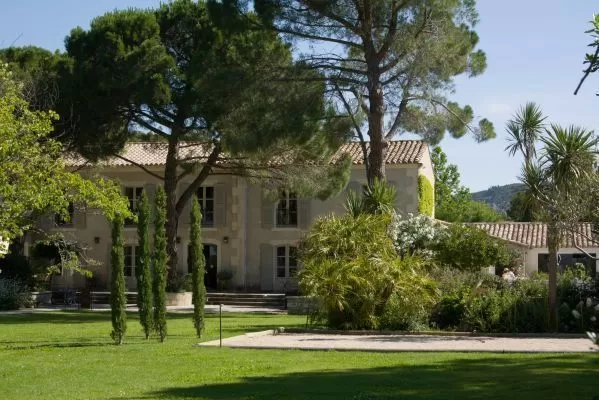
<point>415,235</point>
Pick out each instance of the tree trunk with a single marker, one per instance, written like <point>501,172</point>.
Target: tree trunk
<point>378,144</point>
<point>553,240</point>
<point>172,216</point>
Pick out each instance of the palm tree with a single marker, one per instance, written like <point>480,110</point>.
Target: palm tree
<point>567,161</point>
<point>524,130</point>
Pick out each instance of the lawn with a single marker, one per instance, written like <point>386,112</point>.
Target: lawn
<point>68,355</point>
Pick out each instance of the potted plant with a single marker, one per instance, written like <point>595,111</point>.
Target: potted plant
<point>224,278</point>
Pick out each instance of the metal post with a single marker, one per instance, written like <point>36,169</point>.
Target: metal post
<point>220,318</point>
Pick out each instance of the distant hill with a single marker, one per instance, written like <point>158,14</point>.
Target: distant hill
<point>498,197</point>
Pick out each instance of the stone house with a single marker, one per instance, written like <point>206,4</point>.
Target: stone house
<point>530,238</point>
<point>245,233</point>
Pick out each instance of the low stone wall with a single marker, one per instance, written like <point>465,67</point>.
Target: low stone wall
<point>178,299</point>
<point>300,304</point>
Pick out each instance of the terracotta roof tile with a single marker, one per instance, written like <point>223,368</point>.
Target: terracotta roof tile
<point>534,234</point>
<point>154,153</point>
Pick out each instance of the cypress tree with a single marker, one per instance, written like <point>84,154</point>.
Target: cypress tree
<point>118,298</point>
<point>142,268</point>
<point>160,262</point>
<point>198,264</point>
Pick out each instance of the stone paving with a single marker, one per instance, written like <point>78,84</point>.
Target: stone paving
<point>396,343</point>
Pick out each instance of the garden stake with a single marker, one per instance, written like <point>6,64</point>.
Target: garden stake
<point>220,318</point>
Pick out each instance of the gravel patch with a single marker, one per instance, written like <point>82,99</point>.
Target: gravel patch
<point>397,343</point>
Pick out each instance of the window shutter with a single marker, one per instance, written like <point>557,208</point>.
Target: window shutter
<point>150,190</point>
<point>79,218</point>
<point>304,217</point>
<point>220,205</point>
<point>268,212</point>
<point>266,267</point>
<point>46,222</point>
<point>354,186</point>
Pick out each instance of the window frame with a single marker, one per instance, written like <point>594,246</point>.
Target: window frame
<point>130,222</point>
<point>60,223</point>
<point>287,257</point>
<point>133,257</point>
<point>286,212</point>
<point>203,200</point>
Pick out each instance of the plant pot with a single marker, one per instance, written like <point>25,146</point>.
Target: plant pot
<point>41,298</point>
<point>182,299</point>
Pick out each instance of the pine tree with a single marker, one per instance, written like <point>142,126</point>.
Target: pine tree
<point>160,262</point>
<point>142,267</point>
<point>198,264</point>
<point>118,298</point>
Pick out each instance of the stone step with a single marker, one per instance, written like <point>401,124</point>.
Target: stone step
<point>247,304</point>
<point>247,295</point>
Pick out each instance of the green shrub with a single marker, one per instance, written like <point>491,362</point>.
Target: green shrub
<point>468,248</point>
<point>198,266</point>
<point>118,298</point>
<point>179,282</point>
<point>350,265</point>
<point>145,300</point>
<point>577,295</point>
<point>13,294</point>
<point>426,196</point>
<point>160,260</point>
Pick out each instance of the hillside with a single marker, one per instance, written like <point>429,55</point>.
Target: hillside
<point>498,196</point>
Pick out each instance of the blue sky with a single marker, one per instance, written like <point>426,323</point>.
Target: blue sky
<point>534,49</point>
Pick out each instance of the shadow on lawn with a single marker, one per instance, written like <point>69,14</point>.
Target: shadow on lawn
<point>462,377</point>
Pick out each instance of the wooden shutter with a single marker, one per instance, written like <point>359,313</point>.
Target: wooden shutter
<point>268,212</point>
<point>220,205</point>
<point>79,217</point>
<point>266,267</point>
<point>354,186</point>
<point>304,213</point>
<point>150,190</point>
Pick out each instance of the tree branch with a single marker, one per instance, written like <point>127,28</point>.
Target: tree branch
<point>197,182</point>
<point>588,71</point>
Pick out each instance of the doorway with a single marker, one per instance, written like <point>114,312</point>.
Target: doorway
<point>211,267</point>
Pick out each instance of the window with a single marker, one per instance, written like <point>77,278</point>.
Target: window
<point>206,200</point>
<point>131,253</point>
<point>286,261</point>
<point>567,261</point>
<point>61,221</point>
<point>287,210</point>
<point>133,194</point>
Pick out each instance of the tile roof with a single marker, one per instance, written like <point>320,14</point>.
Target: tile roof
<point>154,153</point>
<point>534,234</point>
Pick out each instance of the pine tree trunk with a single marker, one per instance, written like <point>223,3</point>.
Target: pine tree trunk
<point>378,144</point>
<point>118,297</point>
<point>198,264</point>
<point>160,264</point>
<point>143,269</point>
<point>553,239</point>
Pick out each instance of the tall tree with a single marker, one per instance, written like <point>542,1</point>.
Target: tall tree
<point>34,179</point>
<point>223,97</point>
<point>591,59</point>
<point>524,130</point>
<point>390,64</point>
<point>118,297</point>
<point>143,267</point>
<point>160,262</point>
<point>198,265</point>
<point>566,164</point>
<point>453,201</point>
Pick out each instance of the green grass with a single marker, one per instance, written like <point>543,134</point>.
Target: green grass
<point>68,355</point>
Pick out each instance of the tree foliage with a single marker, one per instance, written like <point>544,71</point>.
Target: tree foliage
<point>160,259</point>
<point>198,267</point>
<point>143,267</point>
<point>390,64</point>
<point>468,248</point>
<point>354,278</point>
<point>33,177</point>
<point>453,202</point>
<point>426,196</point>
<point>221,94</point>
<point>591,59</point>
<point>118,297</point>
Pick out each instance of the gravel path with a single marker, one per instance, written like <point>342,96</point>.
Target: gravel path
<point>391,343</point>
